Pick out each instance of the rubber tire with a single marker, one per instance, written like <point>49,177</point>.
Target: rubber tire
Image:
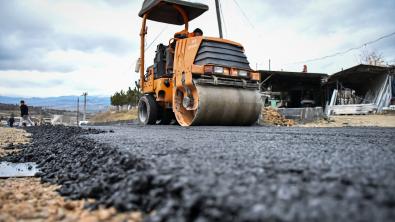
<point>148,110</point>
<point>165,116</point>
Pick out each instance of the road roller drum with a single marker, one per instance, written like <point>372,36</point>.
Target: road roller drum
<point>221,105</point>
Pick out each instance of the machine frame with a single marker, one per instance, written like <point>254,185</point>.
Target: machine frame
<point>179,92</point>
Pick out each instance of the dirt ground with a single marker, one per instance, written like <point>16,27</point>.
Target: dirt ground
<point>354,120</point>
<point>26,199</point>
<point>11,135</point>
<point>115,116</point>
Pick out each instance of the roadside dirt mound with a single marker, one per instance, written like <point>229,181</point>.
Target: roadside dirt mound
<point>271,115</point>
<point>114,116</point>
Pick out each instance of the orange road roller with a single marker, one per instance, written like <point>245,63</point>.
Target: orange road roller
<point>201,80</point>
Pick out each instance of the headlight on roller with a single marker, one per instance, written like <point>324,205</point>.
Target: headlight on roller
<point>218,69</point>
<point>243,73</point>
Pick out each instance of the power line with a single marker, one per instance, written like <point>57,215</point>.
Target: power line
<point>146,49</point>
<point>231,18</point>
<point>340,53</point>
<point>109,88</point>
<point>247,18</point>
<point>129,67</point>
<point>98,95</point>
<point>136,59</point>
<point>156,38</point>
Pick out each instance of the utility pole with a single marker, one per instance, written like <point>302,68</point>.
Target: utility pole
<point>269,64</point>
<point>78,108</point>
<point>84,95</point>
<point>219,18</point>
<point>41,117</point>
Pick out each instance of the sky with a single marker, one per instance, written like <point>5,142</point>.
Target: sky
<point>62,47</point>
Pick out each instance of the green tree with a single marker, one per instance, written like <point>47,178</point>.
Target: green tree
<point>124,98</point>
<point>116,100</point>
<point>137,92</point>
<point>130,97</point>
<point>133,96</point>
<point>119,99</point>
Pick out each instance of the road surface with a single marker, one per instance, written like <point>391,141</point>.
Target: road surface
<point>223,173</point>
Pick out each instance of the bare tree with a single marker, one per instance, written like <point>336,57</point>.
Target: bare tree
<point>371,58</point>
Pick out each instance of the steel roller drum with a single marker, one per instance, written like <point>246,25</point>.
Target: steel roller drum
<point>227,106</point>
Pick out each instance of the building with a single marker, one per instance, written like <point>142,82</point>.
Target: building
<point>361,89</point>
<point>292,89</point>
<point>301,96</point>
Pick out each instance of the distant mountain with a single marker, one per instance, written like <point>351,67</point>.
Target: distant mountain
<point>93,103</point>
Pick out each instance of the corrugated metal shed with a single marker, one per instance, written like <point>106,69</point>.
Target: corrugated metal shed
<point>358,74</point>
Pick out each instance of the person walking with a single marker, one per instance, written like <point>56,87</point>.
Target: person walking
<point>24,114</point>
<point>11,121</point>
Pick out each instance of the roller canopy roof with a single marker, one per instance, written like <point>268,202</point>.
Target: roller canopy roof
<point>170,15</point>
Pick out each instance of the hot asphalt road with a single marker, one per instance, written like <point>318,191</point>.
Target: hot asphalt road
<point>267,173</point>
<point>223,173</point>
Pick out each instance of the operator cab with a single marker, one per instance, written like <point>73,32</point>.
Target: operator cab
<point>164,57</point>
<point>170,12</point>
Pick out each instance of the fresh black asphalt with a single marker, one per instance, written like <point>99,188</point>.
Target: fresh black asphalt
<point>223,173</point>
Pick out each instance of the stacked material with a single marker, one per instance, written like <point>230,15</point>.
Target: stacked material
<point>353,109</point>
<point>271,115</point>
<point>392,108</point>
<point>374,102</point>
<point>384,97</point>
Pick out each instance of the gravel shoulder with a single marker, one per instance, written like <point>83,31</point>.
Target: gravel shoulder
<point>12,135</point>
<point>28,199</point>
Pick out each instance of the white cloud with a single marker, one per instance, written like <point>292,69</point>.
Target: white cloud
<point>74,46</point>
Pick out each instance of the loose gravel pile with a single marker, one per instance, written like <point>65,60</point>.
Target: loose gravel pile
<point>271,115</point>
<point>223,173</point>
